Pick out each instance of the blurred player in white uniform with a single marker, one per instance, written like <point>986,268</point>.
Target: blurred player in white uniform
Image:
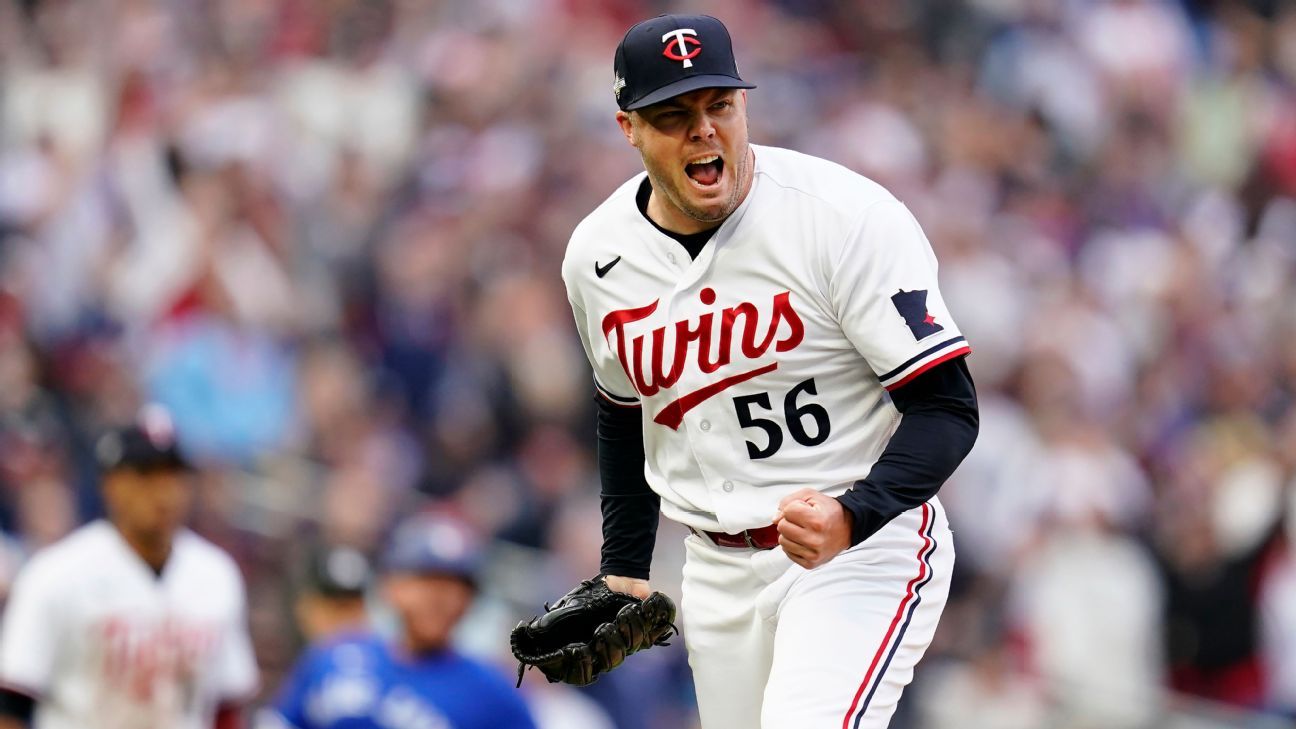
<point>777,371</point>
<point>132,622</point>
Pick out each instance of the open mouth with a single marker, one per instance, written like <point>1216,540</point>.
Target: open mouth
<point>705,171</point>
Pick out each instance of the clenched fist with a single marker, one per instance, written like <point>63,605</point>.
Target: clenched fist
<point>813,527</point>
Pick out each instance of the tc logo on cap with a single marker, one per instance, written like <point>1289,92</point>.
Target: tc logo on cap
<point>662,57</point>
<point>677,47</point>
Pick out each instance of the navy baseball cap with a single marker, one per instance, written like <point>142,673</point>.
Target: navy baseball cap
<point>671,55</point>
<point>434,543</point>
<point>147,444</point>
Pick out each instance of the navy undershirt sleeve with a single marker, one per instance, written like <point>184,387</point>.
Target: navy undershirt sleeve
<point>630,507</point>
<point>937,431</point>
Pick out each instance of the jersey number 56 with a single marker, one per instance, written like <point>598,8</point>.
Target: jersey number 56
<point>793,415</point>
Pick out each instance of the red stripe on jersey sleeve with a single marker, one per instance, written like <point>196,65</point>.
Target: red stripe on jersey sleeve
<point>965,349</point>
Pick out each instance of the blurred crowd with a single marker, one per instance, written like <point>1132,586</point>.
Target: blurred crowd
<point>327,234</point>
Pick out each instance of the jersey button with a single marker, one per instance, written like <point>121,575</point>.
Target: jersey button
<point>705,425</point>
<point>727,486</point>
<point>670,257</point>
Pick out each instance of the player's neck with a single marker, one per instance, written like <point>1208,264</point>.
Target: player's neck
<point>668,217</point>
<point>413,650</point>
<point>155,551</point>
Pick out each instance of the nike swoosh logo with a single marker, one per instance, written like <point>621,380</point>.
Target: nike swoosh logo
<point>602,270</point>
<point>673,414</point>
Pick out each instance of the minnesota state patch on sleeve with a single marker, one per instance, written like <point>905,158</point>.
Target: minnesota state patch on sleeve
<point>912,305</point>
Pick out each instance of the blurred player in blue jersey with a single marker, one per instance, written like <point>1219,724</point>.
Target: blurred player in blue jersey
<point>417,680</point>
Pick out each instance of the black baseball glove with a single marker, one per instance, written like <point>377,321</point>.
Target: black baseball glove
<point>590,631</point>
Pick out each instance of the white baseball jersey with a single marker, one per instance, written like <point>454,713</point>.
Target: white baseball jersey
<point>103,642</point>
<point>762,365</point>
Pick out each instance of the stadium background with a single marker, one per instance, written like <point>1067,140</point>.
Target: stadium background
<point>327,236</point>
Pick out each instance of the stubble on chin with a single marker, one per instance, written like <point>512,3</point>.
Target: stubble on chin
<point>731,200</point>
<point>679,200</point>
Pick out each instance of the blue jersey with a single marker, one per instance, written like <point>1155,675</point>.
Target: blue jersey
<point>358,682</point>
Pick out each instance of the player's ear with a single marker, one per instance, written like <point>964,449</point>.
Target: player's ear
<point>627,126</point>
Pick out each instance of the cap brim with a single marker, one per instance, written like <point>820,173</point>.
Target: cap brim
<point>685,85</point>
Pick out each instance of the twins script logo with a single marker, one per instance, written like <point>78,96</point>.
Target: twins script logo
<point>714,350</point>
<point>146,661</point>
<point>677,48</point>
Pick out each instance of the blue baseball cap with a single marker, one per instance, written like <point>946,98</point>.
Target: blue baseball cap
<point>434,543</point>
<point>671,55</point>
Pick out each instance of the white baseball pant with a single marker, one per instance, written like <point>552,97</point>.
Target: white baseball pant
<point>775,646</point>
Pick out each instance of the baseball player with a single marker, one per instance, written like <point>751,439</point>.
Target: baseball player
<point>776,370</point>
<point>416,681</point>
<point>132,622</point>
